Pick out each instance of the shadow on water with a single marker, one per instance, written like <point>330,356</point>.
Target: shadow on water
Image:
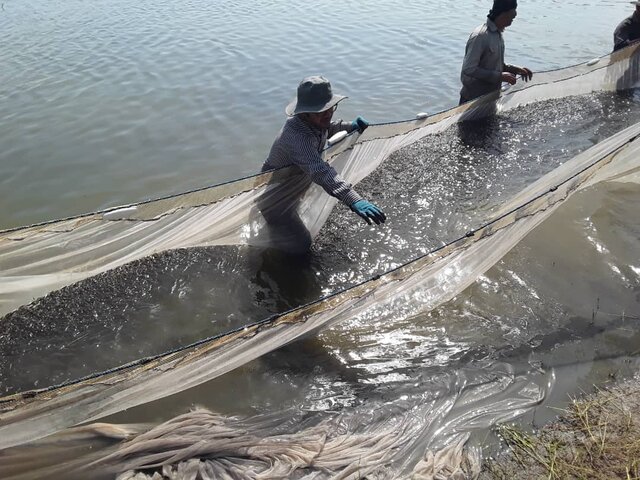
<point>479,134</point>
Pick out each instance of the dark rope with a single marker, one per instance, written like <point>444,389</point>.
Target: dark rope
<point>271,319</point>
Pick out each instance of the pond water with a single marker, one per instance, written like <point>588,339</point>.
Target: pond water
<point>113,102</point>
<point>565,297</point>
<point>110,102</point>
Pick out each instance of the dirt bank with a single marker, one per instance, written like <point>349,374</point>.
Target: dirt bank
<point>597,437</point>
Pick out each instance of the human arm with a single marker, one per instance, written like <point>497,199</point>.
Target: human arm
<point>369,212</point>
<point>304,154</point>
<point>360,124</point>
<point>622,35</point>
<point>339,126</point>
<point>322,173</point>
<point>524,72</point>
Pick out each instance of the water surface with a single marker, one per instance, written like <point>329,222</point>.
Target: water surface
<point>450,183</point>
<point>106,103</point>
<point>110,102</point>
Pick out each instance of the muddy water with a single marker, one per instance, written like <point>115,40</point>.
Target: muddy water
<point>565,303</point>
<point>433,192</point>
<point>107,103</point>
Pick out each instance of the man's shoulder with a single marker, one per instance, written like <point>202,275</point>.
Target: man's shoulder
<point>296,125</point>
<point>481,31</point>
<point>626,22</point>
<point>296,133</point>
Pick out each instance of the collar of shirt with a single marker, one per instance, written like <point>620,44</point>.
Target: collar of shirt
<point>305,127</point>
<point>492,26</point>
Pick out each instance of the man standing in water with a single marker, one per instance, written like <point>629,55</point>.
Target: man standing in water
<point>300,143</point>
<point>483,68</point>
<point>628,31</point>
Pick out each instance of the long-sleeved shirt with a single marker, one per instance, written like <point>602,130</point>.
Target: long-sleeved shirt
<point>627,32</point>
<point>300,144</point>
<point>483,62</point>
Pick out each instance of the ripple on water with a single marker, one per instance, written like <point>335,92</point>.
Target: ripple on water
<point>432,192</point>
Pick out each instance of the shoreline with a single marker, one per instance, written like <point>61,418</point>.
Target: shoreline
<point>597,437</point>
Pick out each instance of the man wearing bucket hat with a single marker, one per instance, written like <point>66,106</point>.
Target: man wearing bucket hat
<point>628,31</point>
<point>303,137</point>
<point>483,68</point>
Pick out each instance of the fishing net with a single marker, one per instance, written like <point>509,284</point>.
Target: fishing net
<point>204,445</point>
<point>42,258</point>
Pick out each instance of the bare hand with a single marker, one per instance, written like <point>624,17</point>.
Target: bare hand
<point>525,74</point>
<point>510,78</point>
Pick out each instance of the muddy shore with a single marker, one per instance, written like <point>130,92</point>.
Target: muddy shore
<point>596,437</point>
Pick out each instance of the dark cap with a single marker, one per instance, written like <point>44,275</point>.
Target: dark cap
<point>314,95</point>
<point>501,6</point>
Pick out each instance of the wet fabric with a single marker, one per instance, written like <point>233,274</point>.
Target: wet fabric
<point>627,32</point>
<point>38,259</point>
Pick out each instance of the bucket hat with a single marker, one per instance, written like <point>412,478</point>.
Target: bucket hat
<point>314,96</point>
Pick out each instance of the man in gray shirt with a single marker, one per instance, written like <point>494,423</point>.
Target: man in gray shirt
<point>483,68</point>
<point>300,143</point>
<point>628,31</point>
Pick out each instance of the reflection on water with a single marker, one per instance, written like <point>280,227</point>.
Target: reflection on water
<point>107,103</point>
<point>568,293</point>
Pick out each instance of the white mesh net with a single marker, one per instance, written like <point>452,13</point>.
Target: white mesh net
<point>38,259</point>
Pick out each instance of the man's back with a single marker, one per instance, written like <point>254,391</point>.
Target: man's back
<point>295,142</point>
<point>627,32</point>
<point>483,61</point>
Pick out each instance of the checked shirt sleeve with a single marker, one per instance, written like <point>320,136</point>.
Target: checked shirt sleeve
<point>309,160</point>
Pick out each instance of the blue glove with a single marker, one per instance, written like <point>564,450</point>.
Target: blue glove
<point>369,212</point>
<point>359,124</point>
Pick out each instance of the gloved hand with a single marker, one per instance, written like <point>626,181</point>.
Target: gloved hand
<point>359,124</point>
<point>369,212</point>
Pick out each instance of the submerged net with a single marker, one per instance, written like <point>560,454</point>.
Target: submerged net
<point>38,259</point>
<point>375,443</point>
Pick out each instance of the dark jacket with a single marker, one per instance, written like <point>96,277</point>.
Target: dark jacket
<point>627,32</point>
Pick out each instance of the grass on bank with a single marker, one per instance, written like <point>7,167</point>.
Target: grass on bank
<point>597,437</point>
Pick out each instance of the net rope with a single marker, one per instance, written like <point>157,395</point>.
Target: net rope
<point>41,258</point>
